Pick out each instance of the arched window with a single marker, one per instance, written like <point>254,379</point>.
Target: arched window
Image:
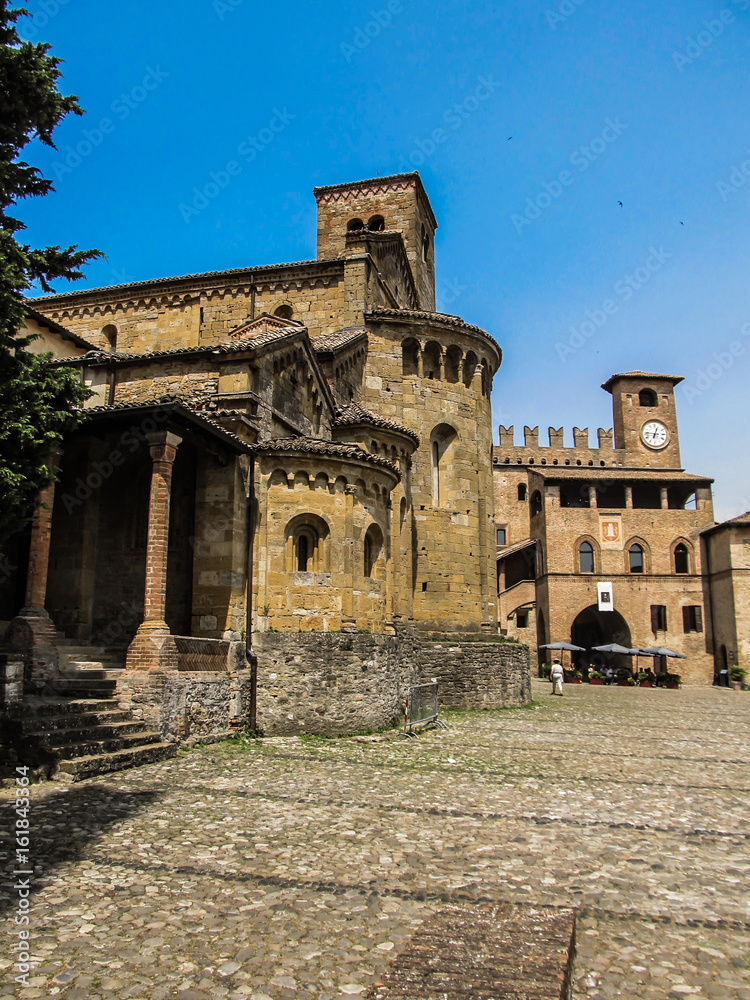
<point>410,357</point>
<point>425,244</point>
<point>452,363</point>
<point>110,333</point>
<point>431,360</point>
<point>647,397</point>
<point>354,225</point>
<point>441,439</point>
<point>536,503</point>
<point>306,545</point>
<point>435,472</point>
<point>586,557</point>
<point>283,312</point>
<point>522,492</point>
<point>681,559</point>
<point>376,224</point>
<point>636,558</point>
<point>470,364</point>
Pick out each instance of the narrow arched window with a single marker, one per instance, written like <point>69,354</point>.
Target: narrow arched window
<point>283,312</point>
<point>536,503</point>
<point>371,550</point>
<point>681,559</point>
<point>436,472</point>
<point>647,397</point>
<point>110,333</point>
<point>376,224</point>
<point>586,557</point>
<point>303,553</point>
<point>636,558</point>
<point>522,493</point>
<point>354,225</point>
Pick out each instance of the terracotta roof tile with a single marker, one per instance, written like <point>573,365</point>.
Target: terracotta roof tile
<point>442,319</point>
<point>354,414</point>
<point>315,446</point>
<point>340,338</point>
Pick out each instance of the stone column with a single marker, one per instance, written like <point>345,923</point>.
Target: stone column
<point>153,652</point>
<point>629,497</point>
<point>664,498</point>
<point>32,632</point>
<point>592,497</point>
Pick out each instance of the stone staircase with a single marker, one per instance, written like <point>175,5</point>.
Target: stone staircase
<point>81,731</point>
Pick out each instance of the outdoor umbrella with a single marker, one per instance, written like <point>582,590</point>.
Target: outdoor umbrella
<point>662,651</point>
<point>564,645</point>
<point>615,647</point>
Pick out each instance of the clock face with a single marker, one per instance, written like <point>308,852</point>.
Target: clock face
<point>655,435</point>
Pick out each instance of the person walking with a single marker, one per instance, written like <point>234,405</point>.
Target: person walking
<point>557,676</point>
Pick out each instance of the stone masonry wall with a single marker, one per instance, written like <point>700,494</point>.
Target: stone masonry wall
<point>339,683</point>
<point>478,674</point>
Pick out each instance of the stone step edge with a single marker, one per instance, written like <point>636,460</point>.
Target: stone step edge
<point>79,768</point>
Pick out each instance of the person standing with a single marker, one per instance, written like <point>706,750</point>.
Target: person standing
<point>557,676</point>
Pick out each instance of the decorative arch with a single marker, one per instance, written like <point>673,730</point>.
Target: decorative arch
<point>587,556</point>
<point>432,357</point>
<point>410,357</point>
<point>109,332</point>
<point>376,224</point>
<point>647,397</point>
<point>470,366</point>
<point>306,544</point>
<point>441,439</point>
<point>373,551</point>
<point>354,225</point>
<point>453,364</point>
<point>637,552</point>
<point>284,311</point>
<point>278,478</point>
<point>682,556</point>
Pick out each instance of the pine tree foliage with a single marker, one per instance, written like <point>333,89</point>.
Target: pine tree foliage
<point>38,404</point>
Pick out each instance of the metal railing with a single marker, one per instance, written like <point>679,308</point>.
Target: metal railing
<point>421,708</point>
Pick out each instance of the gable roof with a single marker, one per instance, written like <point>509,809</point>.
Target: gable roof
<point>264,323</point>
<point>355,415</point>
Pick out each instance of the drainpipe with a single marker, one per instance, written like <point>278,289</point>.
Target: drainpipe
<point>250,656</point>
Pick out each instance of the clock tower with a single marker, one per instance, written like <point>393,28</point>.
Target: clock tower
<point>645,419</point>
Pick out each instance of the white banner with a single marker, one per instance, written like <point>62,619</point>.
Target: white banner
<point>605,597</point>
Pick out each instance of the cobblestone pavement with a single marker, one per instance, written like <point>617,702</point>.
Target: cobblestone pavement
<point>301,867</point>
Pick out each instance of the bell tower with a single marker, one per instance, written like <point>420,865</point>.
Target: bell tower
<point>397,203</point>
<point>645,419</point>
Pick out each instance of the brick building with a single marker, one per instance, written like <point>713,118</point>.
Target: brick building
<point>273,455</point>
<point>623,513</point>
<point>727,567</point>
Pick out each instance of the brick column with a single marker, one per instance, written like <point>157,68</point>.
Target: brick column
<point>32,632</point>
<point>664,498</point>
<point>153,648</point>
<point>629,497</point>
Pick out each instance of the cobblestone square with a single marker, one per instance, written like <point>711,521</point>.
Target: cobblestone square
<point>296,867</point>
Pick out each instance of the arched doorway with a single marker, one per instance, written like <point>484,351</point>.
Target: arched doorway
<point>593,627</point>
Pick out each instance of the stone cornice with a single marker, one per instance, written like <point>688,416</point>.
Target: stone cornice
<point>412,317</point>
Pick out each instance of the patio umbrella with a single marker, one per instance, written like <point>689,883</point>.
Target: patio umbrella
<point>615,647</point>
<point>662,651</point>
<point>564,645</point>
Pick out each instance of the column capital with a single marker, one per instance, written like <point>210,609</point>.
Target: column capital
<point>163,445</point>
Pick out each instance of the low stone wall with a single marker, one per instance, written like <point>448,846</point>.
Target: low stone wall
<point>198,654</point>
<point>478,674</point>
<point>335,683</point>
<point>332,683</point>
<point>200,706</point>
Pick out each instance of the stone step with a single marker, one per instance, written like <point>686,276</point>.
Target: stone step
<point>74,728</point>
<point>90,672</point>
<point>82,687</point>
<point>43,707</point>
<point>88,767</point>
<point>91,747</point>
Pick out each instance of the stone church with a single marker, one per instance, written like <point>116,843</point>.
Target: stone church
<point>278,510</point>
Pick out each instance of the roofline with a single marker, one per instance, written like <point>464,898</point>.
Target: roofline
<point>183,279</point>
<point>644,376</point>
<point>734,522</point>
<point>175,407</point>
<point>55,327</point>
<point>374,182</point>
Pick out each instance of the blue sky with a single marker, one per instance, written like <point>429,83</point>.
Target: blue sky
<point>624,100</point>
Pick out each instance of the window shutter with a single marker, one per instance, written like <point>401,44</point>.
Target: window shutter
<point>686,619</point>
<point>698,619</point>
<point>654,618</point>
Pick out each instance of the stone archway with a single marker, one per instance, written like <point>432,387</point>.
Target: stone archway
<point>593,627</point>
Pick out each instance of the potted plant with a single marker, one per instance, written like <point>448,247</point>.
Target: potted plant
<point>573,676</point>
<point>595,677</point>
<point>623,676</point>
<point>646,678</point>
<point>672,681</point>
<point>631,681</point>
<point>737,677</point>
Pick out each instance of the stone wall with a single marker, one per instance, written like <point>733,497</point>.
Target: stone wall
<point>478,674</point>
<point>339,683</point>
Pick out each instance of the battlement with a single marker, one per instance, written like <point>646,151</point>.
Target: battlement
<point>556,453</point>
